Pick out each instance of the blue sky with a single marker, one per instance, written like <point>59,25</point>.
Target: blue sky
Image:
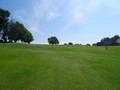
<point>77,21</point>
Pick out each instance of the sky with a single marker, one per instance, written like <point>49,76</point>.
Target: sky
<point>77,21</point>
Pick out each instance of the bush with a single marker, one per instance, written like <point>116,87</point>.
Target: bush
<point>65,43</point>
<point>88,44</point>
<point>70,43</point>
<point>1,41</point>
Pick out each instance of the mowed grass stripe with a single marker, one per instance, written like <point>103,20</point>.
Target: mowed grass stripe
<point>44,67</point>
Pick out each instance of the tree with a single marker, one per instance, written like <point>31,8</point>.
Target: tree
<point>88,44</point>
<point>14,32</point>
<point>26,36</point>
<point>19,32</point>
<point>118,41</point>
<point>4,14</point>
<point>53,40</point>
<point>114,40</point>
<point>65,43</point>
<point>70,43</point>
<point>106,42</point>
<point>94,44</point>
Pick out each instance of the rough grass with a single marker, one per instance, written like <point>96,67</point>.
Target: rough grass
<point>47,67</point>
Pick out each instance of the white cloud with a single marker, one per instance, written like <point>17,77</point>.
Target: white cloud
<point>41,9</point>
<point>46,9</point>
<point>73,11</point>
<point>67,26</point>
<point>77,13</point>
<point>93,5</point>
<point>29,20</point>
<point>82,9</point>
<point>52,15</point>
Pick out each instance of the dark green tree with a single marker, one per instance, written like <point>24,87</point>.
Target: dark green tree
<point>12,31</point>
<point>88,44</point>
<point>19,32</point>
<point>15,31</point>
<point>70,43</point>
<point>26,36</point>
<point>114,40</point>
<point>53,40</point>
<point>65,43</point>
<point>106,42</point>
<point>4,14</point>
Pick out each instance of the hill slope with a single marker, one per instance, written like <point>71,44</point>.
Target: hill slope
<point>47,67</point>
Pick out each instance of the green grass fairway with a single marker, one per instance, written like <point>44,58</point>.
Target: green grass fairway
<point>59,67</point>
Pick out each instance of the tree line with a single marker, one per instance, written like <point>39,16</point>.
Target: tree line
<point>113,41</point>
<point>13,31</point>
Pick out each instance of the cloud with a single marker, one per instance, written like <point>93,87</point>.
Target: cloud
<point>93,5</point>
<point>52,15</point>
<point>72,11</point>
<point>46,9</point>
<point>77,13</point>
<point>82,9</point>
<point>67,26</point>
<point>41,7</point>
<point>39,11</point>
<point>31,22</point>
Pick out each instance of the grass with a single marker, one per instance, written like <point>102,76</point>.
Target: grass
<point>57,67</point>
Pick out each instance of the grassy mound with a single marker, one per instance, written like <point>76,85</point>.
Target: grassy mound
<point>57,67</point>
